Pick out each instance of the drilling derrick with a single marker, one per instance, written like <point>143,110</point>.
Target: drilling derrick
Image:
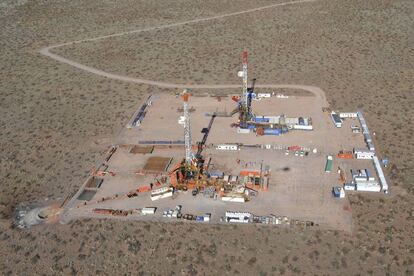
<point>245,77</point>
<point>245,103</point>
<point>187,129</point>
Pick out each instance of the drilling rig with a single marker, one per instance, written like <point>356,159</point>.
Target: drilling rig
<point>190,172</point>
<point>244,104</point>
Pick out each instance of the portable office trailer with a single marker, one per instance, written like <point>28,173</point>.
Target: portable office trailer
<point>161,193</point>
<point>368,186</point>
<point>349,186</point>
<point>264,95</point>
<point>228,147</point>
<point>303,127</point>
<point>242,217</point>
<point>380,173</point>
<point>148,210</point>
<point>348,115</point>
<point>233,199</point>
<point>363,154</point>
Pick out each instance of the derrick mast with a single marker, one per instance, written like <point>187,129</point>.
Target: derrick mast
<point>245,103</point>
<point>187,128</point>
<point>245,77</point>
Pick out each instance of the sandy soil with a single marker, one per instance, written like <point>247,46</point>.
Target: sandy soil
<point>57,120</point>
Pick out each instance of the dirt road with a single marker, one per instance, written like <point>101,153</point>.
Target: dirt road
<point>47,52</point>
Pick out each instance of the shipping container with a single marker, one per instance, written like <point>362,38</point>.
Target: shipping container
<point>345,155</point>
<point>329,163</point>
<point>250,173</point>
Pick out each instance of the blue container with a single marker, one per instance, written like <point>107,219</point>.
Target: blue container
<point>261,120</point>
<point>199,218</point>
<point>270,131</point>
<point>251,126</point>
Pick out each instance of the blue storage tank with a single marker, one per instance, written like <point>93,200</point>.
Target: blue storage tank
<point>271,131</point>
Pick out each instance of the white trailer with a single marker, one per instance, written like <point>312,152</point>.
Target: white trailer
<point>243,130</point>
<point>380,173</point>
<point>303,127</point>
<point>228,147</point>
<point>368,186</point>
<point>363,154</point>
<point>162,193</point>
<point>241,217</point>
<point>348,115</point>
<point>264,95</point>
<point>239,199</point>
<point>148,210</point>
